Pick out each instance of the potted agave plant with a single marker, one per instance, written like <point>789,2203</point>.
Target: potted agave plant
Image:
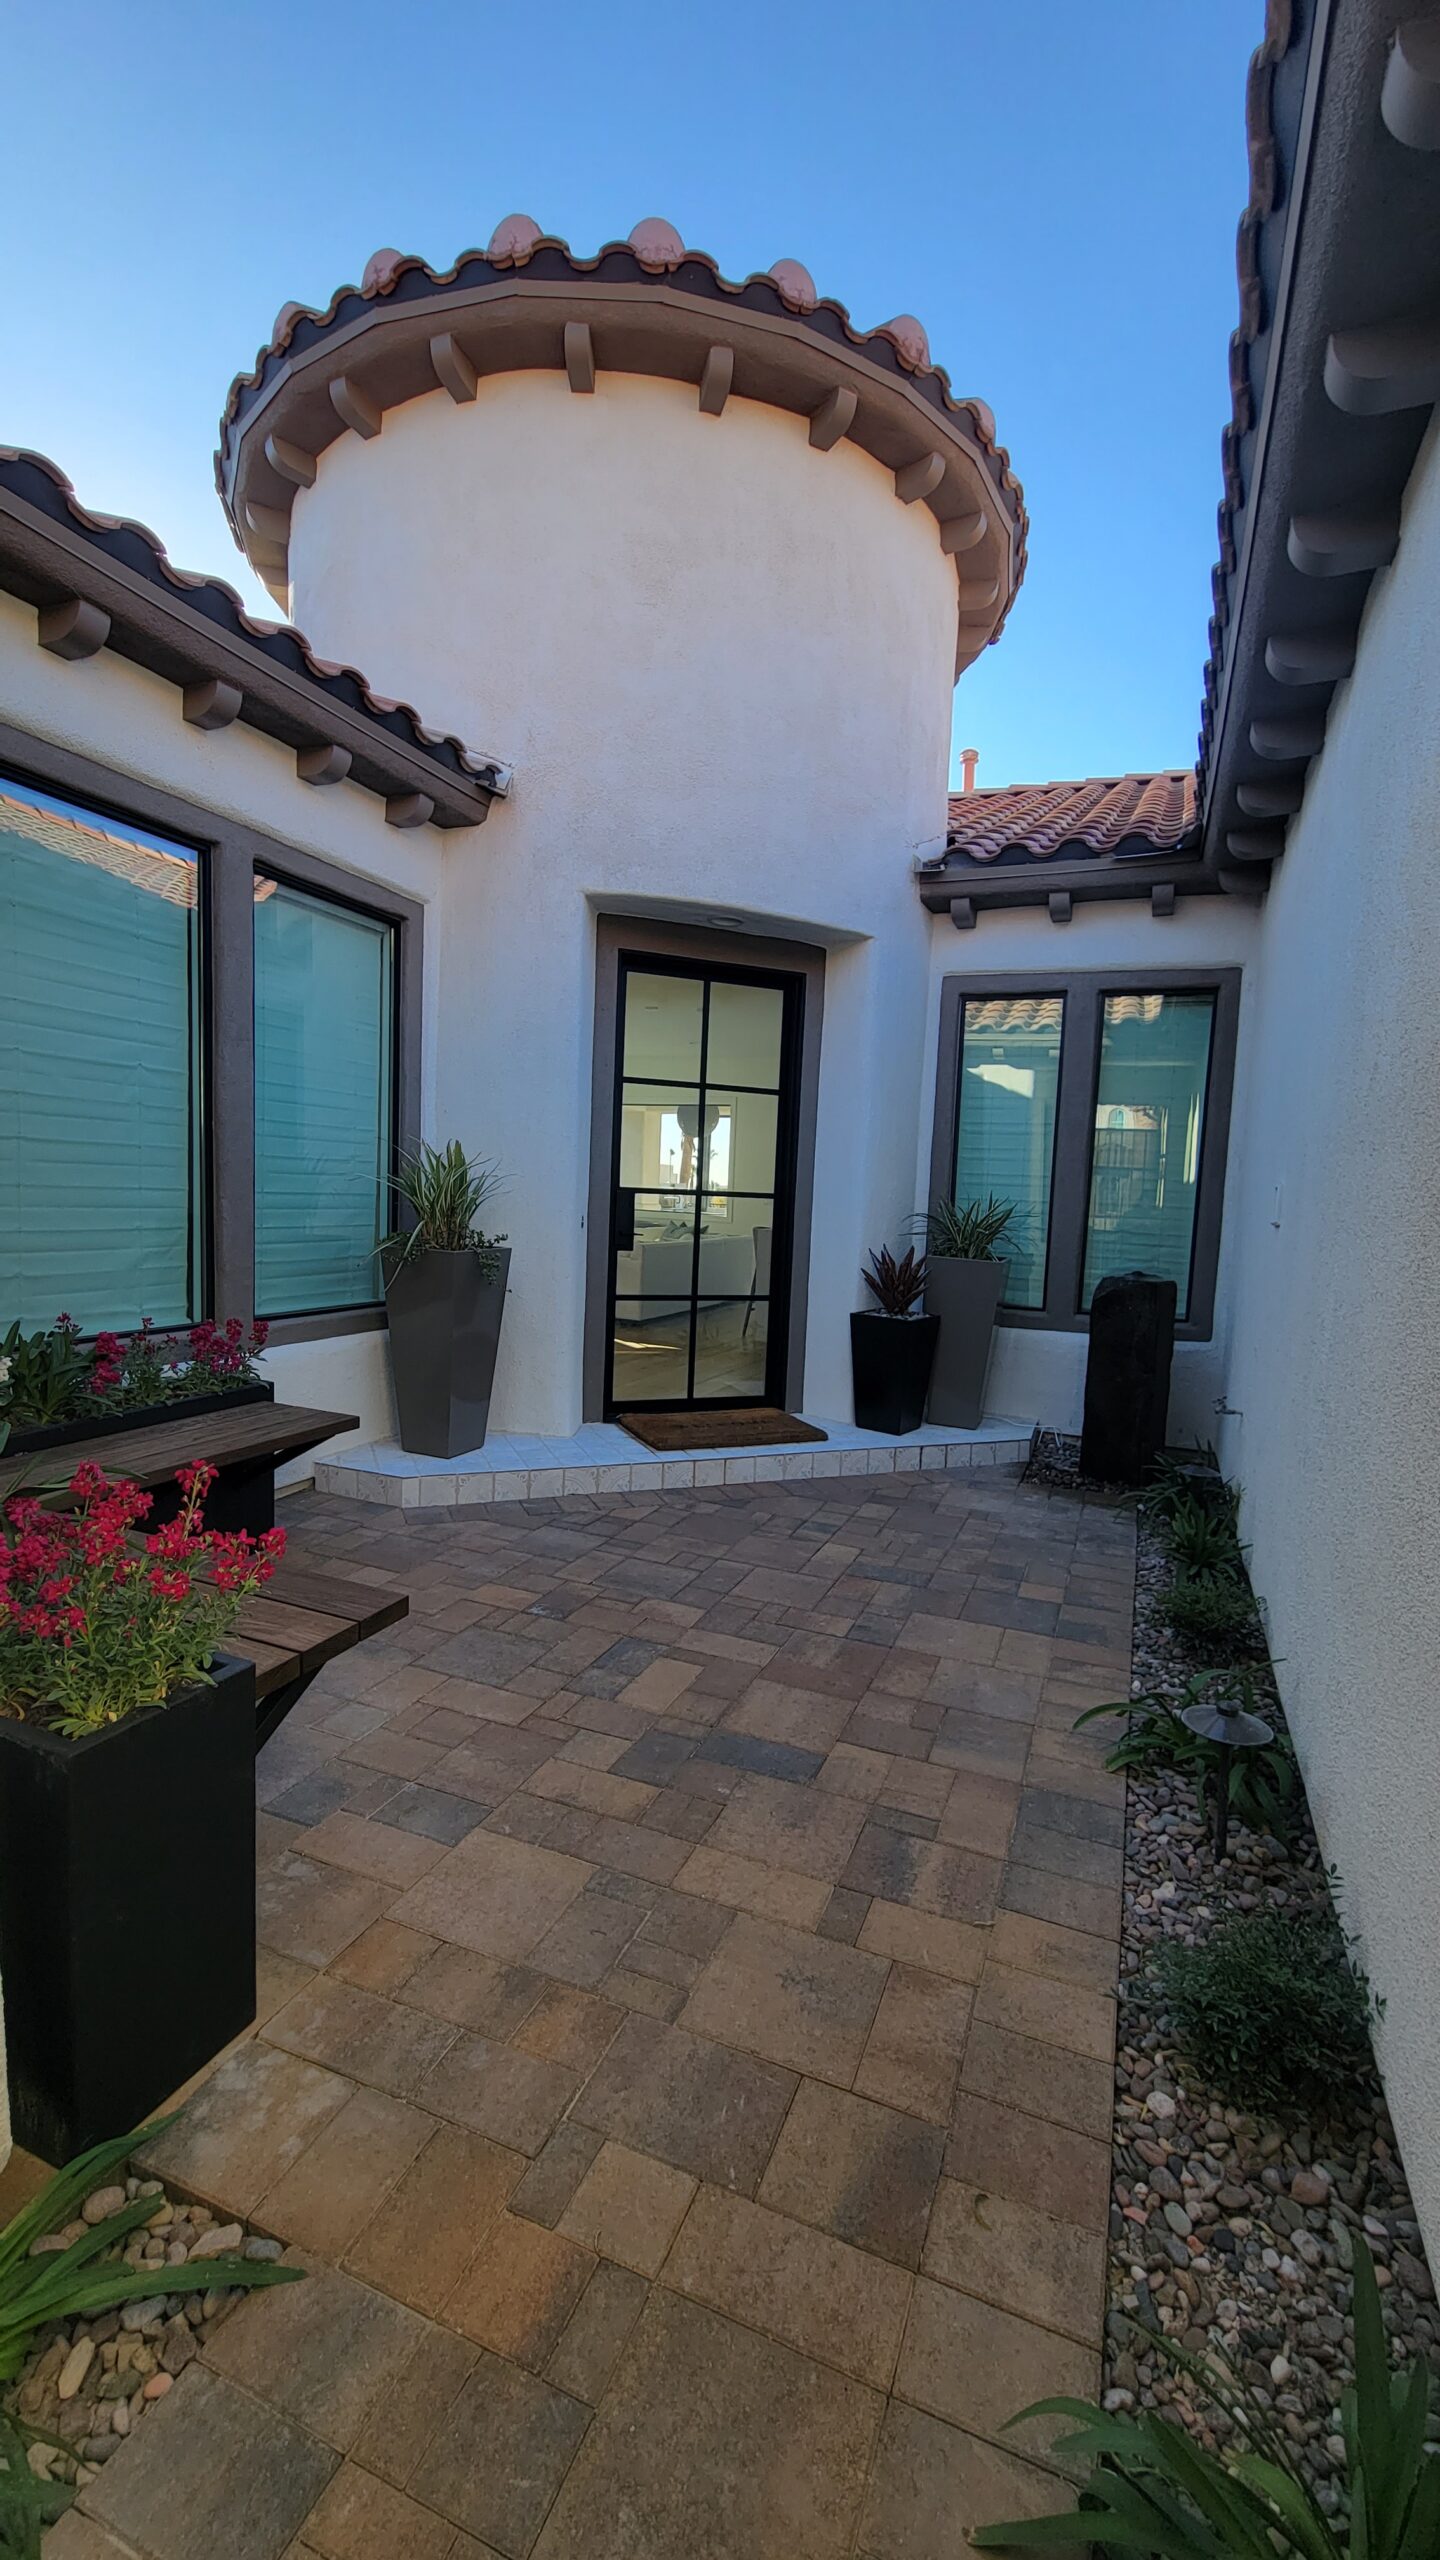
<point>964,1284</point>
<point>892,1345</point>
<point>445,1284</point>
<point>127,1802</point>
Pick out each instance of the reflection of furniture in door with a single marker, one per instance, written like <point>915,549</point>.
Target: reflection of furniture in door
<point>760,1280</point>
<point>660,1272</point>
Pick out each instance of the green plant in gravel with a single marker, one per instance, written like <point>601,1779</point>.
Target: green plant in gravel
<point>1269,2011</point>
<point>1264,1784</point>
<point>90,2276</point>
<point>1199,1538</point>
<point>1152,2489</point>
<point>1210,1609</point>
<point>445,1191</point>
<point>27,2505</point>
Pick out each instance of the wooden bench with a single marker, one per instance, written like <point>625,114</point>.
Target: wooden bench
<point>300,1621</point>
<point>245,1443</point>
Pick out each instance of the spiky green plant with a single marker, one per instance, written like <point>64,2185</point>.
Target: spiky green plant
<point>966,1230</point>
<point>86,2278</point>
<point>1153,2490</point>
<point>445,1191</point>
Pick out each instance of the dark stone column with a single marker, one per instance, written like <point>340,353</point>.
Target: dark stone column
<point>1127,1378</point>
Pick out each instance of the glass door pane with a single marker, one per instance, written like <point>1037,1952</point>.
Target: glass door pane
<point>1149,1122</point>
<point>663,1017</point>
<point>1005,1142</point>
<point>746,1024</point>
<point>652,1350</point>
<point>695,1215</point>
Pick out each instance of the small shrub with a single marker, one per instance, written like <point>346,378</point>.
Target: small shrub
<point>1199,1538</point>
<point>1270,2012</point>
<point>1210,1610</point>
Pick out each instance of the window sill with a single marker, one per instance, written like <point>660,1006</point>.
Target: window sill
<point>322,1327</point>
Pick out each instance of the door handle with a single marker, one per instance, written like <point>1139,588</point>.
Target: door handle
<point>624,1221</point>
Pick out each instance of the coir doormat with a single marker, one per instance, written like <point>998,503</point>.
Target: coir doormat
<point>740,1426</point>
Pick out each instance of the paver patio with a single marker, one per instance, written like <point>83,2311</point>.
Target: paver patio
<point>687,1993</point>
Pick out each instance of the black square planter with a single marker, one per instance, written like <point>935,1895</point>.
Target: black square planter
<point>891,1358</point>
<point>127,1908</point>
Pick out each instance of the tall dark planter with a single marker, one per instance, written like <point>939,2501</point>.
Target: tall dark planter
<point>127,1908</point>
<point>890,1357</point>
<point>444,1336</point>
<point>964,1294</point>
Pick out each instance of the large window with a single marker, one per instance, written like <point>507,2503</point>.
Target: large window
<point>1148,1133</point>
<point>324,1100</point>
<point>100,1069</point>
<point>1005,1144</point>
<point>1099,1105</point>
<point>208,1058</point>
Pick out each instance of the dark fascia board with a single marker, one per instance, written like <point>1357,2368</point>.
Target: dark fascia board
<point>185,638</point>
<point>1086,883</point>
<point>1353,242</point>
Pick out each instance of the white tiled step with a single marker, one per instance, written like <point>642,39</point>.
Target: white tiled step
<point>601,1458</point>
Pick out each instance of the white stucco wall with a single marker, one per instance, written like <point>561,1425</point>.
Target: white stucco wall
<point>1037,1375</point>
<point>129,722</point>
<point>722,664</point>
<point>1336,1356</point>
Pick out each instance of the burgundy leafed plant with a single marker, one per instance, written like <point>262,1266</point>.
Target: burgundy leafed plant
<point>97,1620</point>
<point>897,1287</point>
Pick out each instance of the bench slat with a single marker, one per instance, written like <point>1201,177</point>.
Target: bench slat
<point>152,1456</point>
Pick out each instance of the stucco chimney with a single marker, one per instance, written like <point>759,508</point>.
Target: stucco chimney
<point>969,758</point>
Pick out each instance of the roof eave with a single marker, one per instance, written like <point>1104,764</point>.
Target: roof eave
<point>48,564</point>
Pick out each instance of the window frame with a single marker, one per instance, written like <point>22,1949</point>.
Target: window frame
<point>230,853</point>
<point>1085,991</point>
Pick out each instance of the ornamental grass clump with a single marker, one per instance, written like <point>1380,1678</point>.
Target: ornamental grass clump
<point>99,1618</point>
<point>1211,1610</point>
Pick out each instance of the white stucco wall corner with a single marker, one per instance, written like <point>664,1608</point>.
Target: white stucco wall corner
<point>1335,1333</point>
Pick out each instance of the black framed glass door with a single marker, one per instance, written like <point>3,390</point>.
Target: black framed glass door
<point>706,1089</point>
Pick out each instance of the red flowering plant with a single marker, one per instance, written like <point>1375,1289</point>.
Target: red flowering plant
<point>99,1617</point>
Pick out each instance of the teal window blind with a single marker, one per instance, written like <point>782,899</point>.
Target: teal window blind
<point>324,1078</point>
<point>1005,1139</point>
<point>100,1161</point>
<point>1148,1132</point>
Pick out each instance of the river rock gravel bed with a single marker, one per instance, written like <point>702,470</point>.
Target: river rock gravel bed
<point>87,2383</point>
<point>1232,2232</point>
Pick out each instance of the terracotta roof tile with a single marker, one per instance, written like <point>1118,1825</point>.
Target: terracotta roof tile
<point>34,477</point>
<point>1150,811</point>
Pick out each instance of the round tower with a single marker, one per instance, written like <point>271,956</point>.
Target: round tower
<point>700,560</point>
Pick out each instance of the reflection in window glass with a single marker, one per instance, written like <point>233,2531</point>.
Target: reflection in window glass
<point>324,1010</point>
<point>99,1069</point>
<point>1005,1144</point>
<point>1149,1124</point>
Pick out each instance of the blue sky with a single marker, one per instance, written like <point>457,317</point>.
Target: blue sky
<point>1053,189</point>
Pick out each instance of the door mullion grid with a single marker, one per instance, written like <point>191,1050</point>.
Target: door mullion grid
<point>701,1168</point>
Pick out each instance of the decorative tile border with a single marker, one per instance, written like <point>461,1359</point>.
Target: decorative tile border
<point>387,1476</point>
